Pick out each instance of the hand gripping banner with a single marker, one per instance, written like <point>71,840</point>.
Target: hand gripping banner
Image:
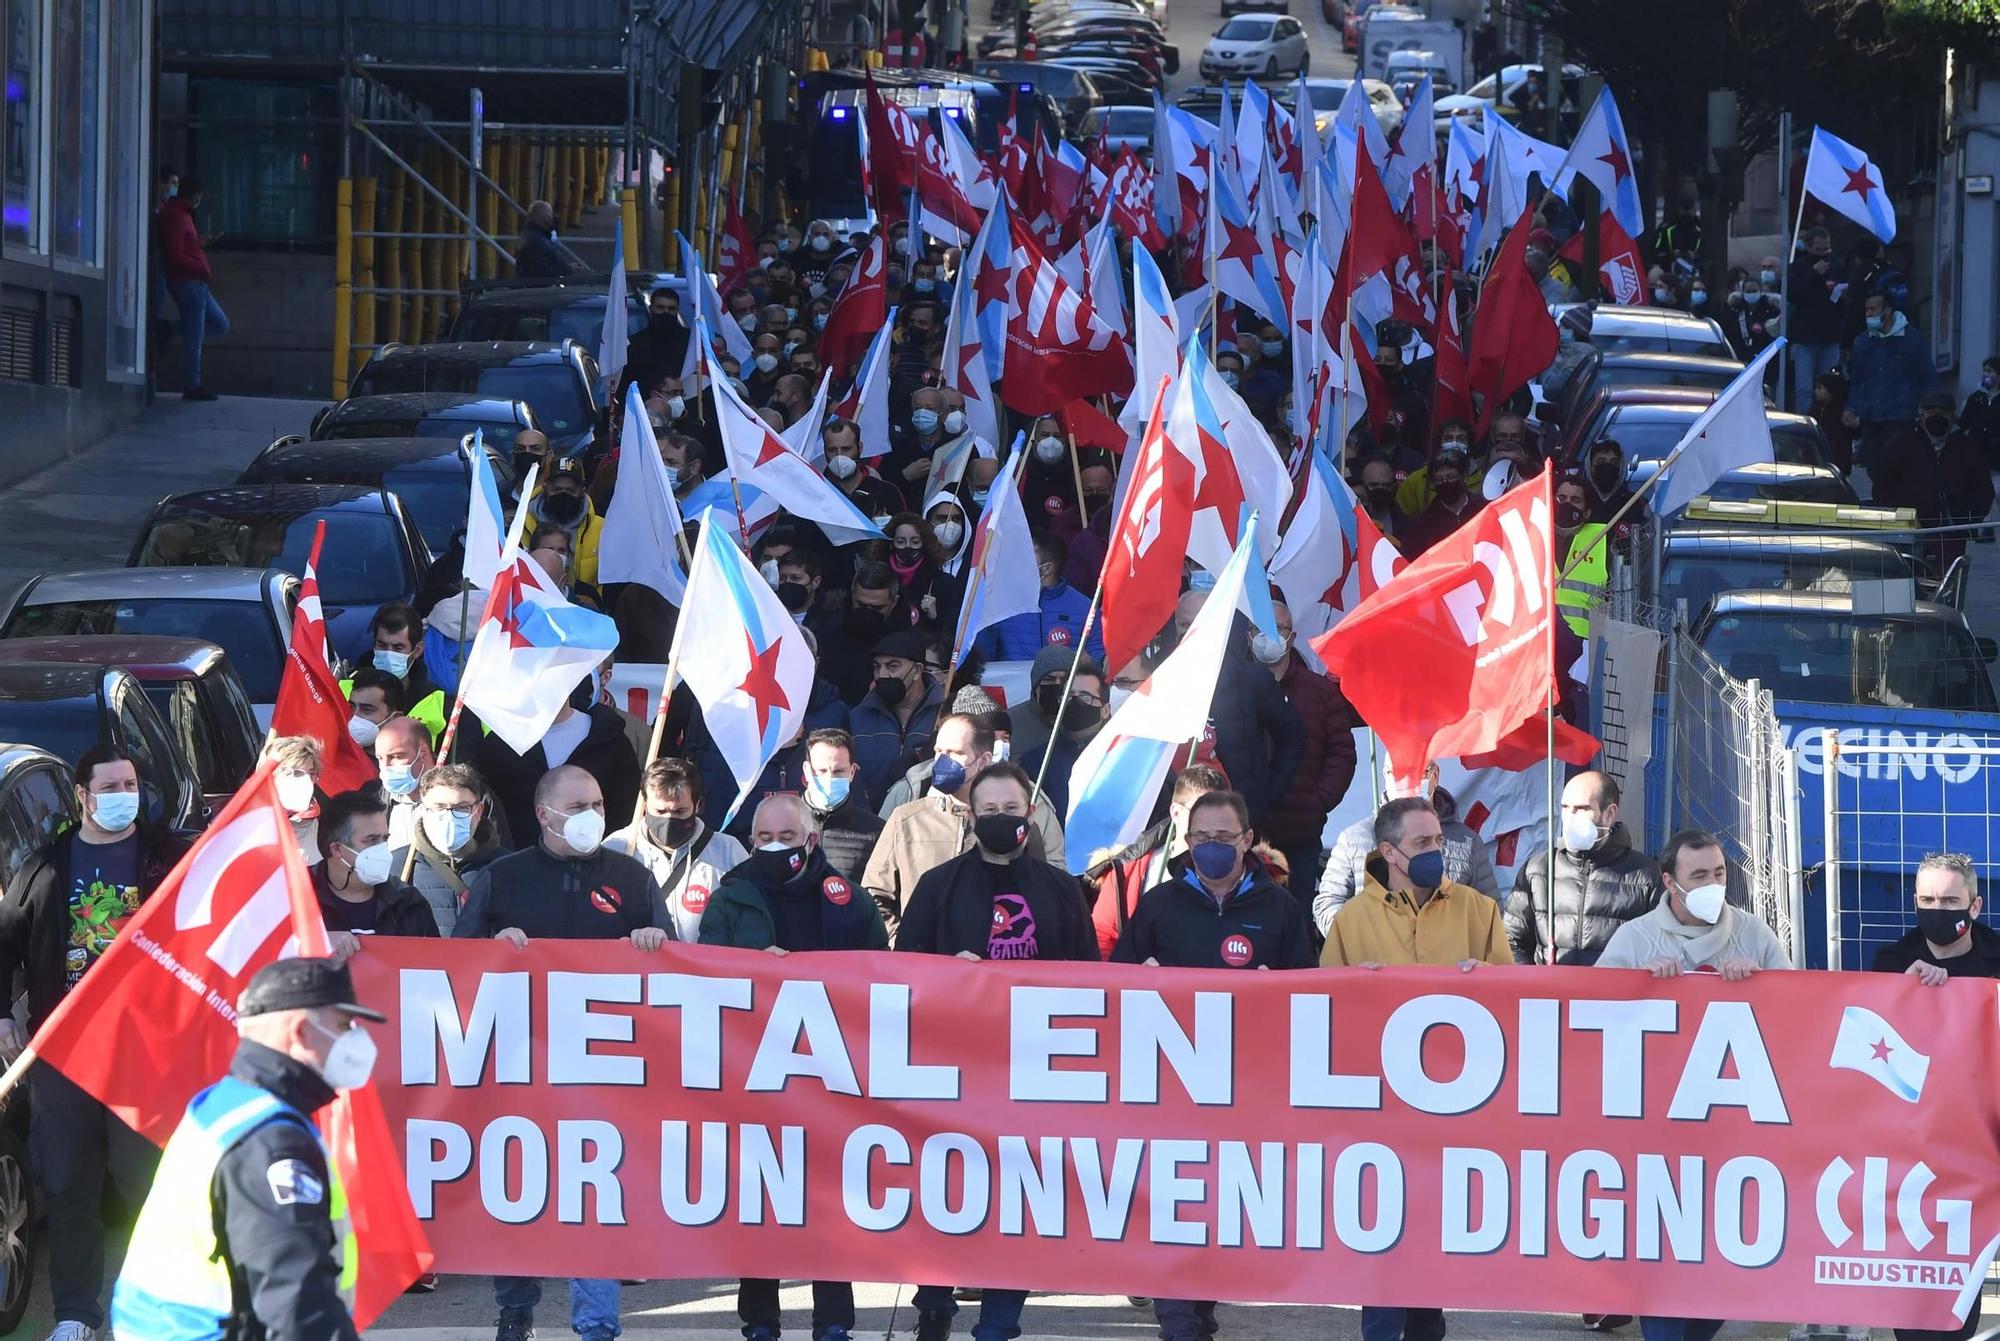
<point>1798,1146</point>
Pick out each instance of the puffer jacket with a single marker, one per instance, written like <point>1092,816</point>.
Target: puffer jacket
<point>1596,893</point>
<point>1465,861</point>
<point>1298,813</point>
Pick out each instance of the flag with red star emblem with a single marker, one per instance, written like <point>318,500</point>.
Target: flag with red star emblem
<point>1601,156</point>
<point>1316,565</point>
<point>1156,340</point>
<point>1236,465</point>
<point>1002,579</point>
<point>1414,147</point>
<point>966,367</point>
<point>866,404</point>
<point>744,659</point>
<point>1842,177</point>
<point>532,649</point>
<point>1244,266</point>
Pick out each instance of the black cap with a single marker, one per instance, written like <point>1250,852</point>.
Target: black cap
<point>907,644</point>
<point>303,984</point>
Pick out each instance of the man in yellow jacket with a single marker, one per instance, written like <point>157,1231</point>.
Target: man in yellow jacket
<point>561,504</point>
<point>1406,912</point>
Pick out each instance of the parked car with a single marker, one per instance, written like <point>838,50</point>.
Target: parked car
<point>1334,12</point>
<point>1382,100</point>
<point>1502,91</point>
<point>1697,566</point>
<point>67,708</point>
<point>1651,431</point>
<point>1812,647</point>
<point>1598,371</point>
<point>426,414</point>
<point>1266,45</point>
<point>431,476</point>
<point>1121,83</point>
<point>1773,481</point>
<point>541,310</point>
<point>1075,91</point>
<point>558,380</point>
<point>247,612</point>
<point>374,553</point>
<point>1617,329</point>
<point>192,685</point>
<point>1119,128</point>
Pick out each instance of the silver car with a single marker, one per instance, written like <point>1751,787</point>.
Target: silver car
<point>1264,45</point>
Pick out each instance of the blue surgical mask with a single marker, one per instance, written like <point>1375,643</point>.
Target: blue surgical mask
<point>1874,323</point>
<point>1427,869</point>
<point>1988,381</point>
<point>399,779</point>
<point>947,774</point>
<point>826,793</point>
<point>1213,861</point>
<point>819,321</point>
<point>392,663</point>
<point>1768,276</point>
<point>924,421</point>
<point>1696,297</point>
<point>113,811</point>
<point>1661,295</point>
<point>1229,379</point>
<point>1273,348</point>
<point>173,190</point>
<point>924,285</point>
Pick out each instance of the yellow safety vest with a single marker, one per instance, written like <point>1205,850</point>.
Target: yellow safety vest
<point>1584,587</point>
<point>431,709</point>
<point>175,1283</point>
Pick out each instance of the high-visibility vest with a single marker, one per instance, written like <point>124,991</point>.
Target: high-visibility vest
<point>175,1283</point>
<point>1584,586</point>
<point>431,709</point>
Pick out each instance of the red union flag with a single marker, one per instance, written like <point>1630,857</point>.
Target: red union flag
<point>309,700</point>
<point>154,1021</point>
<point>1058,349</point>
<point>1456,651</point>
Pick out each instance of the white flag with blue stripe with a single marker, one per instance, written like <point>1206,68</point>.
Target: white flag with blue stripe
<point>1843,178</point>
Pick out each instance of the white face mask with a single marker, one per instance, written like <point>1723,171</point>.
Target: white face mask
<point>767,363</point>
<point>1267,649</point>
<point>1002,749</point>
<point>295,791</point>
<point>841,467</point>
<point>1705,902</point>
<point>371,864</point>
<point>351,1059</point>
<point>1048,450</point>
<point>1580,832</point>
<point>583,831</point>
<point>1116,698</point>
<point>447,830</point>
<point>954,422</point>
<point>363,731</point>
<point>676,406</point>
<point>948,533</point>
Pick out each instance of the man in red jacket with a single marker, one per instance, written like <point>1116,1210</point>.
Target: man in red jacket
<point>1297,817</point>
<point>188,276</point>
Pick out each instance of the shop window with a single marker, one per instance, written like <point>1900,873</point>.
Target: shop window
<point>20,136</point>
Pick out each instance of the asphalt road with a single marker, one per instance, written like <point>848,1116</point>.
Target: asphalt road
<point>1190,23</point>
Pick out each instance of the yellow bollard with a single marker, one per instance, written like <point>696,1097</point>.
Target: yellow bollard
<point>489,212</point>
<point>343,284</point>
<point>628,212</point>
<point>392,263</point>
<point>364,267</point>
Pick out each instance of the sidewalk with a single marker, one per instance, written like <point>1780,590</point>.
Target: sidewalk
<point>85,512</point>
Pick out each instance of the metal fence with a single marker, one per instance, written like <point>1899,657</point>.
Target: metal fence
<point>1728,771</point>
<point>1881,801</point>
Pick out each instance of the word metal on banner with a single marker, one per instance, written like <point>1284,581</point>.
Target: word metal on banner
<point>1568,1140</point>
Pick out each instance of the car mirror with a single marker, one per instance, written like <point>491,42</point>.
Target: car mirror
<point>1989,648</point>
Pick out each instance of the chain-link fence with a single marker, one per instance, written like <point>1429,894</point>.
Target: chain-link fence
<point>1729,772</point>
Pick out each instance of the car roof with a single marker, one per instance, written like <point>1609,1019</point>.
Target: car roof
<point>1622,317</point>
<point>534,300</point>
<point>474,353</point>
<point>1769,472</point>
<point>357,455</point>
<point>1667,361</point>
<point>146,656</point>
<point>219,583</point>
<point>1723,543</point>
<point>424,404</point>
<point>14,757</point>
<point>1820,603</point>
<point>278,498</point>
<point>1687,411</point>
<point>44,681</point>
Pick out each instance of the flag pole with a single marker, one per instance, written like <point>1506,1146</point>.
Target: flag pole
<point>17,1069</point>
<point>1089,618</point>
<point>445,742</point>
<point>659,723</point>
<point>1076,473</point>
<point>1785,275</point>
<point>1555,613</point>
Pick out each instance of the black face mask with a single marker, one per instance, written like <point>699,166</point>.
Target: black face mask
<point>867,621</point>
<point>522,462</point>
<point>1451,491</point>
<point>1568,516</point>
<point>1381,495</point>
<point>890,689</point>
<point>778,868</point>
<point>584,694</point>
<point>1606,473</point>
<point>1002,835</point>
<point>564,508</point>
<point>1937,425</point>
<point>670,830</point>
<point>794,596</point>
<point>1080,716</point>
<point>1049,699</point>
<point>1092,502</point>
<point>1943,926</point>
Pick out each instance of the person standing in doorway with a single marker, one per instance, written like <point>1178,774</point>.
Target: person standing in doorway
<point>188,276</point>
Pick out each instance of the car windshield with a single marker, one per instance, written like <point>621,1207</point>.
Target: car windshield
<point>1750,486</point>
<point>582,321</point>
<point>1245,30</point>
<point>1793,444</point>
<point>551,390</point>
<point>1680,337</point>
<point>1128,120</point>
<point>435,499</point>
<point>1700,578</point>
<point>1702,379</point>
<point>362,562</point>
<point>1815,657</point>
<point>65,727</point>
<point>241,628</point>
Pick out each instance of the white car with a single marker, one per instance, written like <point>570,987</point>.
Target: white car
<point>1263,45</point>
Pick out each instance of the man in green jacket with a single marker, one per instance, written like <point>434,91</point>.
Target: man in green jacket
<point>786,896</point>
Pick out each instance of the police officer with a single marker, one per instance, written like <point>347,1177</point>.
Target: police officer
<point>245,1232</point>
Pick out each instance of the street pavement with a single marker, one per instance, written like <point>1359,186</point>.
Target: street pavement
<point>85,512</point>
<point>1190,23</point>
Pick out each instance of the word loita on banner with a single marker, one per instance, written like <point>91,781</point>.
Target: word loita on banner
<point>1571,1140</point>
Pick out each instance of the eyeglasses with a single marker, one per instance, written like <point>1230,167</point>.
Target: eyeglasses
<point>1088,699</point>
<point>463,812</point>
<point>1199,837</point>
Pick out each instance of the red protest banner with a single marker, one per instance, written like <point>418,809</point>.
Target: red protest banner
<point>1567,1140</point>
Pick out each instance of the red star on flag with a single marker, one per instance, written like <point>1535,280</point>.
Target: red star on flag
<point>509,602</point>
<point>1221,487</point>
<point>1621,166</point>
<point>989,285</point>
<point>967,352</point>
<point>760,682</point>
<point>1859,182</point>
<point>773,448</point>
<point>1239,243</point>
<point>1881,1050</point>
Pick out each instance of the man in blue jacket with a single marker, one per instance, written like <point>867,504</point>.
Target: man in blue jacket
<point>1059,622</point>
<point>1888,369</point>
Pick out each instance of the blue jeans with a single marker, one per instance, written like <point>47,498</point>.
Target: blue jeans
<point>201,317</point>
<point>757,1305</point>
<point>1402,1324</point>
<point>1678,1329</point>
<point>1808,362</point>
<point>593,1304</point>
<point>1185,1319</point>
<point>999,1310</point>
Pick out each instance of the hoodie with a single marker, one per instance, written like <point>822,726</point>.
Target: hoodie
<point>584,536</point>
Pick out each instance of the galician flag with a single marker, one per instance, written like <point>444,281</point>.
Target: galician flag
<point>1866,1043</point>
<point>1841,177</point>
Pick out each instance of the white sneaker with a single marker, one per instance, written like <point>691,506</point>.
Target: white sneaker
<point>71,1331</point>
